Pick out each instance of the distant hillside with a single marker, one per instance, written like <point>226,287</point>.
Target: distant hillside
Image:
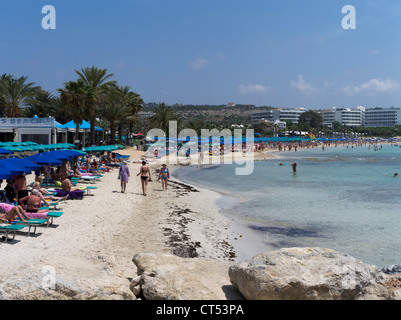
<point>221,115</point>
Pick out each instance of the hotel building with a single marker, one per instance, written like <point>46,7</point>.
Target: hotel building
<point>374,117</point>
<point>382,117</point>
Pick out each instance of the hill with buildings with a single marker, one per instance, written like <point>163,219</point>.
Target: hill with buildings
<point>214,115</point>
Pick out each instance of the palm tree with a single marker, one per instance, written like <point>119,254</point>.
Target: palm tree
<point>113,111</point>
<point>78,99</point>
<point>132,102</point>
<point>162,115</point>
<point>98,80</point>
<point>15,93</point>
<point>42,105</point>
<point>57,110</point>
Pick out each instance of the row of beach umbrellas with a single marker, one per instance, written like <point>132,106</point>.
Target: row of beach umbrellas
<point>17,166</point>
<point>12,147</point>
<point>104,148</point>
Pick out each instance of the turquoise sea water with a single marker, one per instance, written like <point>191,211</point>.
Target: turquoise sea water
<point>341,198</point>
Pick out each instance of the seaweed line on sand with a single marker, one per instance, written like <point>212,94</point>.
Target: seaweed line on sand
<point>178,240</point>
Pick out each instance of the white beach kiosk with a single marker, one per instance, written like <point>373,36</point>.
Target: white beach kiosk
<point>39,130</point>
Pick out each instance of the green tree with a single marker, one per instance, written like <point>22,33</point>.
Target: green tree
<point>41,105</point>
<point>310,120</point>
<point>263,128</point>
<point>15,94</point>
<point>132,103</point>
<point>78,99</point>
<point>113,112</point>
<point>162,115</point>
<point>337,126</point>
<point>99,80</point>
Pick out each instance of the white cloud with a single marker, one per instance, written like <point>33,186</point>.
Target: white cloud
<point>198,63</point>
<point>373,86</point>
<point>252,88</point>
<point>304,87</point>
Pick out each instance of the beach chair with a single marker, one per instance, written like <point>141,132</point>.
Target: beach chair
<point>10,229</point>
<point>54,204</point>
<point>90,179</point>
<point>88,189</point>
<point>51,215</point>
<point>32,224</point>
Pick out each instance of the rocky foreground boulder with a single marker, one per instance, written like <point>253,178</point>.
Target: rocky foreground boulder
<point>168,277</point>
<point>386,285</point>
<point>67,278</point>
<point>301,274</point>
<point>286,274</point>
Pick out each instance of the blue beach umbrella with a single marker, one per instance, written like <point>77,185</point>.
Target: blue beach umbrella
<point>42,159</point>
<point>4,172</point>
<point>64,154</point>
<point>5,151</point>
<point>22,162</point>
<point>74,153</point>
<point>12,168</point>
<point>57,155</point>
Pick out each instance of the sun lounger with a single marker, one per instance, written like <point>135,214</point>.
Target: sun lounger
<point>91,179</point>
<point>54,204</point>
<point>10,229</point>
<point>88,189</point>
<point>51,215</point>
<point>32,223</point>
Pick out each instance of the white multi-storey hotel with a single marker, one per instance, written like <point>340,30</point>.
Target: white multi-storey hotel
<point>382,117</point>
<point>375,117</point>
<point>345,116</point>
<point>277,115</point>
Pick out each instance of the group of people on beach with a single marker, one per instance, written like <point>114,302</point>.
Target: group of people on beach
<point>145,176</point>
<point>24,203</point>
<point>17,202</point>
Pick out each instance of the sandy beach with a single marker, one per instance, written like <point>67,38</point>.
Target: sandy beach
<point>97,237</point>
<point>109,227</point>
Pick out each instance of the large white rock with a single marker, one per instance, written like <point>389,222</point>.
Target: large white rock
<point>385,286</point>
<point>168,277</point>
<point>67,278</point>
<point>301,274</point>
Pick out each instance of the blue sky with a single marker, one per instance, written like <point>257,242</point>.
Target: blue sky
<point>290,53</point>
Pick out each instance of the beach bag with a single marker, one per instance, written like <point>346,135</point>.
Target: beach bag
<point>61,193</point>
<point>119,174</point>
<point>75,195</point>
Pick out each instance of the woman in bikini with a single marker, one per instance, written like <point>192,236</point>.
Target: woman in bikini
<point>33,202</point>
<point>145,177</point>
<point>164,174</point>
<point>9,212</point>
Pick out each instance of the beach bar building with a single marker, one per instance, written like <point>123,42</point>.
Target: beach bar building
<point>39,130</point>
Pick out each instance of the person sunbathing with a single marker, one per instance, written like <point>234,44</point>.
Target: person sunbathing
<point>77,173</point>
<point>67,186</point>
<point>37,185</point>
<point>33,202</point>
<point>9,212</point>
<point>94,165</point>
<point>43,198</point>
